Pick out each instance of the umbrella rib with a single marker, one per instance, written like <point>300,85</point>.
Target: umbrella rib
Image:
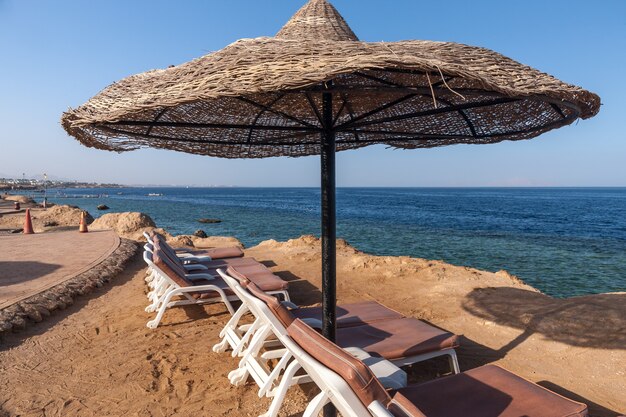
<point>276,112</point>
<point>391,83</point>
<point>411,137</point>
<point>430,112</point>
<point>258,116</point>
<point>351,114</point>
<point>558,110</point>
<point>209,125</point>
<point>156,119</point>
<point>379,109</point>
<point>546,127</point>
<point>210,142</point>
<point>315,110</point>
<point>343,105</point>
<point>470,125</point>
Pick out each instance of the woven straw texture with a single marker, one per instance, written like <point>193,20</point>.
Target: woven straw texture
<point>262,97</point>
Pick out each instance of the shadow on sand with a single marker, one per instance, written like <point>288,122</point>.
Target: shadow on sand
<point>594,321</point>
<point>12,272</point>
<point>11,340</point>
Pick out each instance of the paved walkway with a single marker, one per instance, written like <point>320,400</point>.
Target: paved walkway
<point>30,264</point>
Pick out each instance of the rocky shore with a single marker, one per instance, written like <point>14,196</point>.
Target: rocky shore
<point>572,346</point>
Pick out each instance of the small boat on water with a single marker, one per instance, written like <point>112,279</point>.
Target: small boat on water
<point>154,195</point>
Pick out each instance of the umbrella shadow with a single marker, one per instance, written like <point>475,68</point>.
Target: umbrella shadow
<point>595,321</point>
<point>301,291</point>
<point>11,340</point>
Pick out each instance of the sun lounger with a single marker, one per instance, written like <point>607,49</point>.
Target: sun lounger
<point>234,336</point>
<point>487,391</point>
<point>197,255</point>
<point>271,320</point>
<point>258,272</point>
<point>195,288</point>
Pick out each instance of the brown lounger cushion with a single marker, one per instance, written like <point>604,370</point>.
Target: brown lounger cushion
<point>265,279</point>
<point>225,263</point>
<point>352,314</point>
<point>488,391</point>
<point>280,311</point>
<point>162,261</point>
<point>395,339</point>
<point>353,371</point>
<point>220,253</point>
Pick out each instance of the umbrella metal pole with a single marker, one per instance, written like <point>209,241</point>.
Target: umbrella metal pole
<point>329,226</point>
<point>329,233</point>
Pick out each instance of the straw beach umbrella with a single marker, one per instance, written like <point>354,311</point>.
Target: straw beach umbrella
<point>314,89</point>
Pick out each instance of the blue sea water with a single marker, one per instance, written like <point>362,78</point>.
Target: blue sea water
<point>563,241</point>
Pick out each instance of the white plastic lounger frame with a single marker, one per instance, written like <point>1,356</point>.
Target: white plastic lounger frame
<point>332,386</point>
<point>232,336</point>
<point>182,253</point>
<point>168,289</point>
<point>152,283</point>
<point>266,330</point>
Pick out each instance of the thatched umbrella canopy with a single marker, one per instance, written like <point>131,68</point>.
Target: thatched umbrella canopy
<point>315,88</point>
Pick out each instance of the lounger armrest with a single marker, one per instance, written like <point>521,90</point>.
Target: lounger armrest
<point>194,277</point>
<point>187,257</point>
<point>290,305</point>
<point>389,374</point>
<point>199,277</point>
<point>358,353</point>
<point>198,288</point>
<point>195,267</point>
<point>378,410</point>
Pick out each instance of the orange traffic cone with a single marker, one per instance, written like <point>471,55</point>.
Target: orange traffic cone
<point>83,223</point>
<point>28,224</point>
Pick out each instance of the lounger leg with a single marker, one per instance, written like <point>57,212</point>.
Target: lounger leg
<point>227,303</point>
<point>454,362</point>
<point>230,331</point>
<point>285,383</point>
<point>240,375</point>
<point>234,320</point>
<point>316,404</point>
<point>237,350</point>
<point>152,324</point>
<point>275,374</point>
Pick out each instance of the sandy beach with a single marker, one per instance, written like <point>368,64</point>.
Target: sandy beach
<point>97,357</point>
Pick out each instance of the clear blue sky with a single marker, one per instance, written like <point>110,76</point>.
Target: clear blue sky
<point>57,54</point>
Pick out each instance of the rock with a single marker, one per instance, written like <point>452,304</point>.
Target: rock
<point>209,220</point>
<point>216,242</point>
<point>181,240</point>
<point>20,199</point>
<point>130,225</point>
<point>50,223</point>
<point>102,207</point>
<point>200,233</point>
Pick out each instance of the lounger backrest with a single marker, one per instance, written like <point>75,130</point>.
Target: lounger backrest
<point>232,272</point>
<point>172,270</point>
<point>356,374</point>
<point>165,247</point>
<point>279,310</point>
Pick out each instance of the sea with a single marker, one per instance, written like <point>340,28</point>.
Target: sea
<point>563,241</point>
